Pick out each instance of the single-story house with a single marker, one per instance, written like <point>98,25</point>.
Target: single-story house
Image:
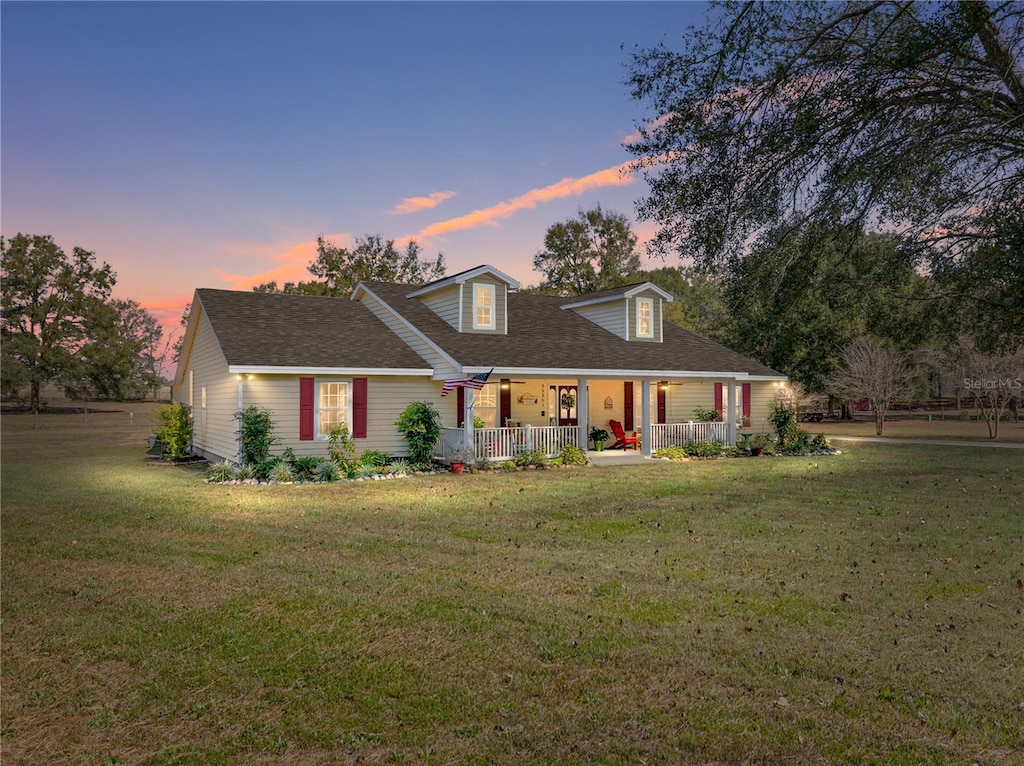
<point>558,366</point>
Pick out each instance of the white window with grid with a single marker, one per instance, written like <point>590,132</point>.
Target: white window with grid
<point>333,406</point>
<point>485,404</point>
<point>483,307</point>
<point>644,318</point>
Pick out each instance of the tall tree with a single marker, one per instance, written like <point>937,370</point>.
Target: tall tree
<point>799,298</point>
<point>699,303</point>
<point>874,370</point>
<point>48,302</point>
<point>594,251</point>
<point>852,114</point>
<point>991,379</point>
<point>340,269</point>
<point>122,358</point>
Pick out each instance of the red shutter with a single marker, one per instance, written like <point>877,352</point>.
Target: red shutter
<point>460,403</point>
<point>661,404</point>
<point>359,408</point>
<point>306,402</point>
<point>746,400</point>
<point>718,401</point>
<point>627,406</point>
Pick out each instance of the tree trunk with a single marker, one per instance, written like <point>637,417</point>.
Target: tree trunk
<point>879,409</point>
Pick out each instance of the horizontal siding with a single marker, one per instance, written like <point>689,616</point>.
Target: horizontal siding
<point>409,337</point>
<point>445,303</point>
<point>386,398</point>
<point>656,317</point>
<point>500,306</point>
<point>209,368</point>
<point>682,400</point>
<point>611,316</point>
<point>609,389</point>
<point>762,396</point>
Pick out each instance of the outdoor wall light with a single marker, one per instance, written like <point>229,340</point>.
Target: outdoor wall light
<point>506,384</point>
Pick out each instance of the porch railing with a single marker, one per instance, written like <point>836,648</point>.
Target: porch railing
<point>673,434</point>
<point>506,443</point>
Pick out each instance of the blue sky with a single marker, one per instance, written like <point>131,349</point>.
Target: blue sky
<point>208,144</point>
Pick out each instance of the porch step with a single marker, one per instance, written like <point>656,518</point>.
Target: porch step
<point>617,457</point>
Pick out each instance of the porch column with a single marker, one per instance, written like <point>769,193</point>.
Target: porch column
<point>467,419</point>
<point>645,417</point>
<point>732,412</point>
<point>582,413</point>
<point>241,406</point>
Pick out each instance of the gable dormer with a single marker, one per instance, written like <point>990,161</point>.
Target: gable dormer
<point>633,312</point>
<point>473,301</point>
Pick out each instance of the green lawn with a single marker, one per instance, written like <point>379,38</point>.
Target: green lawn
<point>862,608</point>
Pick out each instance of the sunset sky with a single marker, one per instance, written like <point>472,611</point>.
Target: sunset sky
<point>208,144</point>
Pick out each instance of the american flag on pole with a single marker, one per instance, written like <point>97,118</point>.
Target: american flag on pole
<point>476,382</point>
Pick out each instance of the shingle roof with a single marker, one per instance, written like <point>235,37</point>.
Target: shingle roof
<point>278,330</point>
<point>541,335</point>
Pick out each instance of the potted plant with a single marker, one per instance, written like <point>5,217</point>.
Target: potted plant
<point>598,436</point>
<point>757,443</point>
<point>459,457</point>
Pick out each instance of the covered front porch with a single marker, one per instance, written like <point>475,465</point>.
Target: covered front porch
<point>510,416</point>
<point>505,443</point>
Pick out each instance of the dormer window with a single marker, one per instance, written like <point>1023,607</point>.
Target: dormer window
<point>644,318</point>
<point>483,307</point>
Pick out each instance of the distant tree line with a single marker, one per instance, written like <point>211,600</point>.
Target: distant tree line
<point>852,318</point>
<point>61,326</point>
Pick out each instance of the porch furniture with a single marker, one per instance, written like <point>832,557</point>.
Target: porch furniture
<point>621,438</point>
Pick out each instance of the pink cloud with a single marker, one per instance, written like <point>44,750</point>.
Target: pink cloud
<point>656,123</point>
<point>618,175</point>
<point>415,204</point>
<point>293,259</point>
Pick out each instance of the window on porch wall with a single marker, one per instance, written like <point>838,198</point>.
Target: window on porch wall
<point>485,404</point>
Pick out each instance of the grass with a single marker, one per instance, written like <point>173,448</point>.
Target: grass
<point>863,608</point>
<point>900,425</point>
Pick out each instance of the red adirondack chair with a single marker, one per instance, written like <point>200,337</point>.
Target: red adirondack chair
<point>621,438</point>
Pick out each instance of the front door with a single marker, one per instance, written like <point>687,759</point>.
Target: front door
<point>565,401</point>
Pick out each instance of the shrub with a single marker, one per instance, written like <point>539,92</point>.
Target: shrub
<point>709,449</point>
<point>340,447</point>
<point>245,471</point>
<point>304,468</point>
<point>508,465</point>
<point>706,416</point>
<point>531,457</point>
<point>798,440</point>
<point>572,455</point>
<point>420,425</point>
<point>366,470</point>
<point>820,442</point>
<point>281,473</point>
<point>255,434</point>
<point>783,420</point>
<point>221,472</point>
<point>674,452</point>
<point>375,457</point>
<point>264,468</point>
<point>326,470</point>
<point>400,467</point>
<point>174,430</point>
